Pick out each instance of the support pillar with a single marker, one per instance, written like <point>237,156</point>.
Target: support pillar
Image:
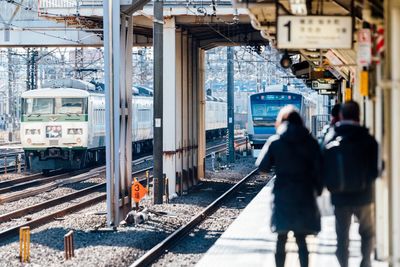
<point>185,113</point>
<point>201,131</point>
<point>178,111</point>
<point>171,129</point>
<point>231,106</point>
<point>117,59</point>
<point>195,117</point>
<point>190,111</point>
<point>394,184</point>
<point>158,102</point>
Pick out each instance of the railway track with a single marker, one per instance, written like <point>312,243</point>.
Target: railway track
<point>157,251</point>
<point>239,141</point>
<point>14,230</point>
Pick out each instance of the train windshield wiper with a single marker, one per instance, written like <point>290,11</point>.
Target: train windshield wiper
<point>69,114</point>
<point>35,114</point>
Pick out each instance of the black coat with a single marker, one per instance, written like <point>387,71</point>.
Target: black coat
<point>295,154</point>
<point>369,146</point>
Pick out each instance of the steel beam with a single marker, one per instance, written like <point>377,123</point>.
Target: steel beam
<point>169,96</point>
<point>190,111</point>
<point>195,105</point>
<point>185,112</point>
<point>158,102</point>
<point>231,106</point>
<point>394,184</point>
<point>118,66</point>
<point>178,111</point>
<point>201,131</point>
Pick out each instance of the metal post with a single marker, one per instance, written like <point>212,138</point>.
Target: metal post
<point>394,185</point>
<point>10,94</point>
<point>231,114</point>
<point>201,126</point>
<point>112,71</point>
<point>158,101</point>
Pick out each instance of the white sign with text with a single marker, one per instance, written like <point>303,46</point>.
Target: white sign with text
<point>314,32</point>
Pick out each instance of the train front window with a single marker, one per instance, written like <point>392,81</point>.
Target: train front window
<point>38,106</point>
<point>71,106</point>
<point>268,110</point>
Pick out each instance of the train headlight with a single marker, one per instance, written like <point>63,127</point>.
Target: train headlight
<point>78,140</point>
<point>29,141</point>
<point>75,131</point>
<point>32,131</point>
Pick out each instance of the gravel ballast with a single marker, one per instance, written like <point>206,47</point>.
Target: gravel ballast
<point>96,245</point>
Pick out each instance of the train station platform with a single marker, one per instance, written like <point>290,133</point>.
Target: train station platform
<point>249,241</point>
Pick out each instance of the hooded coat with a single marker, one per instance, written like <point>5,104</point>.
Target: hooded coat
<point>296,156</point>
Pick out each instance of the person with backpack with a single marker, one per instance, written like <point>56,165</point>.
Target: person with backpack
<point>350,167</point>
<point>295,154</point>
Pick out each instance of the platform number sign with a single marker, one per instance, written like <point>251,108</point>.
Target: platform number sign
<point>288,24</point>
<point>313,32</point>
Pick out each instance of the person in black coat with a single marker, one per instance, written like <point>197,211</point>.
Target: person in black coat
<point>295,154</point>
<point>361,159</point>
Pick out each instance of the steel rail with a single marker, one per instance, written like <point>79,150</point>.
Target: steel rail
<point>24,182</point>
<point>157,251</point>
<point>13,231</point>
<point>50,203</point>
<point>8,183</point>
<point>47,218</point>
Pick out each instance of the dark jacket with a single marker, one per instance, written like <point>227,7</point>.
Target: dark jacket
<point>369,147</point>
<point>295,154</point>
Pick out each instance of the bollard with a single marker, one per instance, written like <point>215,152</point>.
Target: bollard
<point>5,165</point>
<point>69,245</point>
<point>166,189</point>
<point>148,182</point>
<point>24,243</point>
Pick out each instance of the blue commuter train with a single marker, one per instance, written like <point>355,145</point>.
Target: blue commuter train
<point>263,110</point>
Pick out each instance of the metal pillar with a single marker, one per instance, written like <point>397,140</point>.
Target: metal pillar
<point>170,89</point>
<point>117,59</point>
<point>190,111</point>
<point>178,111</point>
<point>201,130</point>
<point>381,190</point>
<point>231,106</point>
<point>395,133</point>
<point>185,112</point>
<point>195,71</point>
<point>158,102</point>
<point>11,80</point>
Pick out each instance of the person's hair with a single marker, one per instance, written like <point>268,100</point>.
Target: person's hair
<point>350,110</point>
<point>290,114</point>
<point>335,110</point>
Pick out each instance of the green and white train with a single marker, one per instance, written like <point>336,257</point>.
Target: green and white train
<point>64,127</point>
<point>63,124</point>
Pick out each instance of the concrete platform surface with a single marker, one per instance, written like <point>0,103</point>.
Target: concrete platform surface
<point>249,241</point>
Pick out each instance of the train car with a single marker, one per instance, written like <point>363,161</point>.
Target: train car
<point>263,110</point>
<point>216,117</point>
<point>64,127</point>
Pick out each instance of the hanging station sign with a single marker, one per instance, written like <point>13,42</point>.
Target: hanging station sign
<point>314,32</point>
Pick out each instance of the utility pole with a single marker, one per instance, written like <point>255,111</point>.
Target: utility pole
<point>11,75</point>
<point>158,101</point>
<point>231,99</point>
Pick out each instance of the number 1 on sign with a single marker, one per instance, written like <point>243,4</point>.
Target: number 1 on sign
<point>288,26</point>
